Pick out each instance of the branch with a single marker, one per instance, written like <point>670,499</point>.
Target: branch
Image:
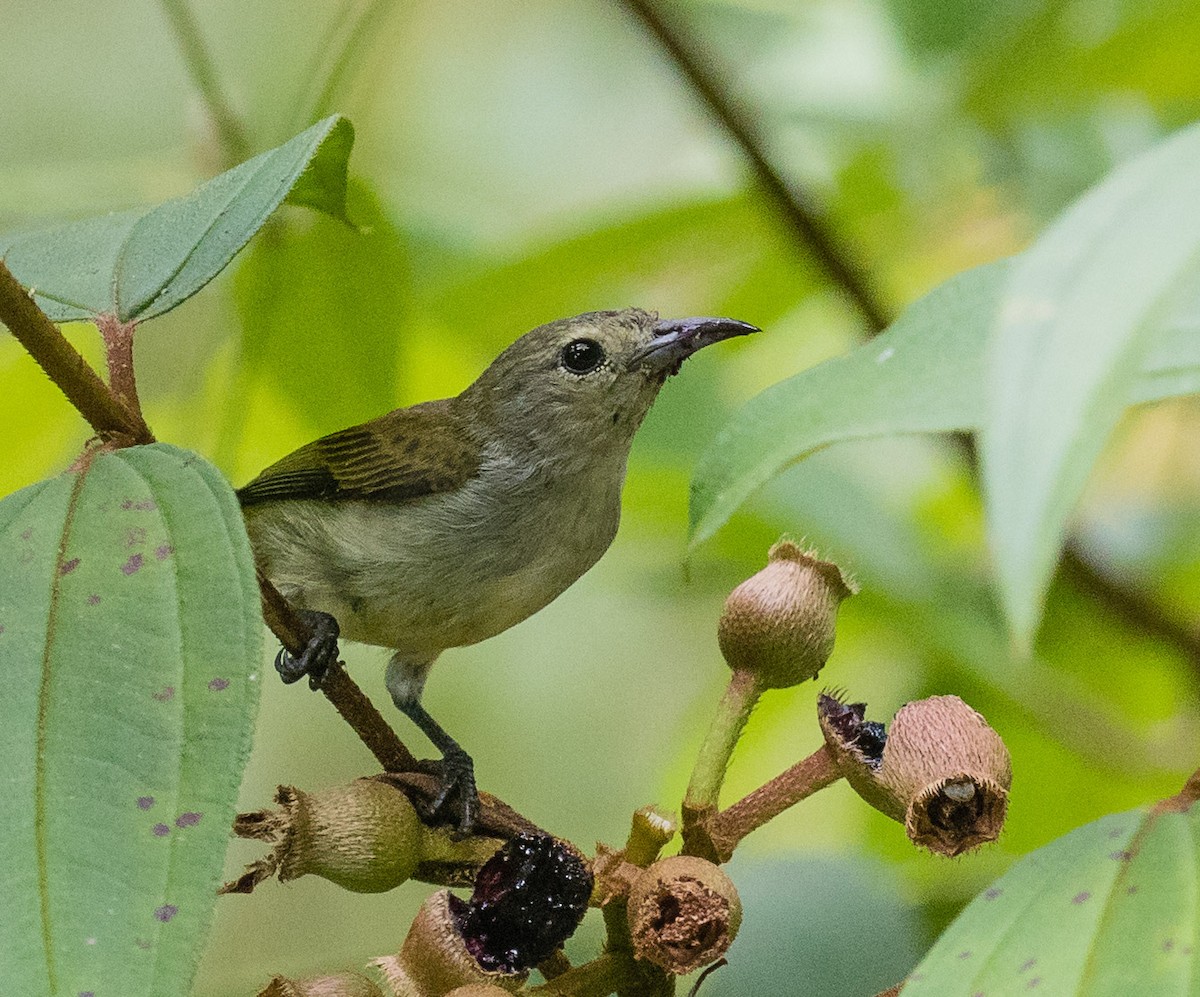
<point>717,835</point>
<point>235,143</point>
<point>801,216</point>
<point>64,365</point>
<point>339,688</point>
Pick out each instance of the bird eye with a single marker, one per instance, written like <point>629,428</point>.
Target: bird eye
<point>582,356</point>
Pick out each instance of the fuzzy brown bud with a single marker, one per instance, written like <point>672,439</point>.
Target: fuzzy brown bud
<point>940,770</point>
<point>779,623</point>
<point>434,959</point>
<point>336,985</point>
<point>683,913</point>
<point>477,990</point>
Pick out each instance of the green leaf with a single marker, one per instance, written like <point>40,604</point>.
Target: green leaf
<point>130,635</point>
<point>1081,311</point>
<point>924,375</point>
<point>1108,910</point>
<point>135,266</point>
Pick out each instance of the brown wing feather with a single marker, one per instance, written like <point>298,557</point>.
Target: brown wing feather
<point>403,455</point>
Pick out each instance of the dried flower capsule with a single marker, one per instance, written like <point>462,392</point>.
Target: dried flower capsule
<point>940,770</point>
<point>683,913</point>
<point>779,624</point>
<point>365,836</point>
<point>434,958</point>
<point>336,985</point>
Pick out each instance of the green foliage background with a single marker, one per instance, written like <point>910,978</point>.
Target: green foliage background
<point>516,162</point>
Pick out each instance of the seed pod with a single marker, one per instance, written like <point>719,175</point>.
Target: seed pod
<point>337,985</point>
<point>779,623</point>
<point>683,913</point>
<point>940,770</point>
<point>434,958</point>
<point>365,836</point>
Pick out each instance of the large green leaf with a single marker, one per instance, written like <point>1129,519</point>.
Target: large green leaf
<point>1082,309</point>
<point>1110,910</point>
<point>135,265</point>
<point>925,374</point>
<point>130,637</point>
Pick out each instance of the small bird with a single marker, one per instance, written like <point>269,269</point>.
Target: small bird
<point>446,523</point>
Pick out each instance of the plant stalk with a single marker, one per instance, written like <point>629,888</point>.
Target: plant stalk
<point>63,364</point>
<point>726,829</point>
<point>708,775</point>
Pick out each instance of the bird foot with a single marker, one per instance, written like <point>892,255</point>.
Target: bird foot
<point>457,794</point>
<point>317,658</point>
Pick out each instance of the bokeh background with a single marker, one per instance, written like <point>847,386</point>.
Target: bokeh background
<point>521,160</point>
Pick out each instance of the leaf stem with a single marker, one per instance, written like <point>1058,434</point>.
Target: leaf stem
<point>118,353</point>
<point>801,216</point>
<point>63,364</point>
<point>727,828</point>
<point>712,761</point>
<point>235,143</point>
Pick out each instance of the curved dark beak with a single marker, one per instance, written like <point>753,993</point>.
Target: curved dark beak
<point>676,339</point>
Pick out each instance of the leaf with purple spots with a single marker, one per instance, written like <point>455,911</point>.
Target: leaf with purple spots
<point>109,722</point>
<point>1067,919</point>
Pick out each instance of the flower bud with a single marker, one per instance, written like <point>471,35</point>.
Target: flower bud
<point>337,985</point>
<point>779,624</point>
<point>683,913</point>
<point>365,836</point>
<point>940,770</point>
<point>434,958</point>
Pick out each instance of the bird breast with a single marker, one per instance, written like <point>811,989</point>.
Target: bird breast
<point>448,569</point>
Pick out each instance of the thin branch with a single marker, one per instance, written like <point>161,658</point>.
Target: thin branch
<point>802,217</point>
<point>807,227</point>
<point>339,688</point>
<point>1135,608</point>
<point>64,365</point>
<point>719,834</point>
<point>331,72</point>
<point>235,143</point>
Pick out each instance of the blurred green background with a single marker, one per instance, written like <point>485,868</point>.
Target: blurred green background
<point>521,161</point>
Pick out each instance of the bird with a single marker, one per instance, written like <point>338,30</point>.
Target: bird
<point>442,524</point>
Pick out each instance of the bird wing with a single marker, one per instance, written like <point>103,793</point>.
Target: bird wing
<point>403,455</point>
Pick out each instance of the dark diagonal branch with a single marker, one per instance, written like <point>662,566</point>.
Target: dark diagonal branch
<point>807,227</point>
<point>801,216</point>
<point>111,420</point>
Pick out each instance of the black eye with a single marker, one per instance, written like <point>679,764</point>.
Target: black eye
<point>582,356</point>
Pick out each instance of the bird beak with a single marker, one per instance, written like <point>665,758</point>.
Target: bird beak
<point>677,339</point>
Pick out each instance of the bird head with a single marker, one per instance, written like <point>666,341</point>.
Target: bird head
<point>584,384</point>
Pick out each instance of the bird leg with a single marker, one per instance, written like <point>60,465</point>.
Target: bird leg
<point>456,771</point>
<point>315,660</point>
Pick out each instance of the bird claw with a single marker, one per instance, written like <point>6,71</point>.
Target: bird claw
<point>317,658</point>
<point>456,792</point>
